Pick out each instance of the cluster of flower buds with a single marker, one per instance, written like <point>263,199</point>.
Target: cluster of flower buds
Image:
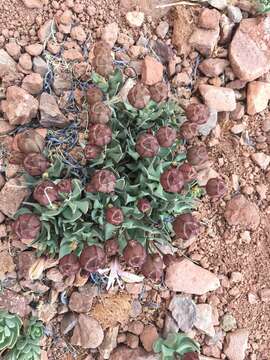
<point>140,95</point>
<point>197,114</point>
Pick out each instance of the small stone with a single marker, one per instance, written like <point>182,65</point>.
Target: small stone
<point>170,326</point>
<point>204,40</point>
<point>234,13</point>
<point>261,159</point>
<point>206,174</point>
<point>236,277</point>
<point>5,127</point>
<point>181,79</point>
<point>204,319</point>
<point>14,303</point>
<point>80,303</point>
<point>218,98</point>
<point>62,82</point>
<point>6,262</point>
<point>109,343</point>
<point>258,95</point>
<point>50,115</point>
<point>132,341</point>
<point>25,260</point>
<point>40,66</point>
<point>218,4</point>
<point>72,55</point>
<point>54,275</point>
<point>236,344</point>
<point>110,34</point>
<point>209,19</point>
<point>45,31</point>
<point>34,49</point>
<point>242,212</point>
<point>7,64</point>
<point>238,129</point>
<point>213,67</point>
<point>266,125</point>
<point>136,327</point>
<point>124,353</point>
<point>2,217</point>
<point>68,323</point>
<point>134,288</point>
<point>205,129</point>
<point>162,29</point>
<point>238,113</point>
<point>47,311</point>
<point>152,71</point>
<point>25,61</point>
<point>228,323</point>
<point>66,17</point>
<point>265,295</point>
<point>78,33</point>
<point>252,298</point>
<point>13,49</point>
<point>185,276</point>
<point>183,310</point>
<point>135,18</point>
<point>34,4</point>
<point>87,333</point>
<point>148,337</point>
<point>33,83</point>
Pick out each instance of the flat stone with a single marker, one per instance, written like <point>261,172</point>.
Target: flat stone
<point>7,64</point>
<point>204,319</point>
<point>236,344</point>
<point>258,95</point>
<point>152,71</point>
<point>204,40</point>
<point>135,18</point>
<point>183,311</point>
<point>148,337</point>
<point>213,67</point>
<point>50,114</point>
<point>13,49</point>
<point>81,303</point>
<point>109,343</point>
<point>261,159</point>
<point>184,276</point>
<point>87,333</point>
<point>162,29</point>
<point>25,260</point>
<point>209,19</point>
<point>68,323</point>
<point>33,83</point>
<point>218,98</point>
<point>34,49</point>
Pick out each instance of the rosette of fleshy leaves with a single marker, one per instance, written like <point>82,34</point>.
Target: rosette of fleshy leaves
<point>10,326</point>
<point>177,344</point>
<point>27,347</point>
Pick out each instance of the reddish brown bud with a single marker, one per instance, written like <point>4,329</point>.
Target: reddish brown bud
<point>94,95</point>
<point>90,188</point>
<point>92,258</point>
<point>35,164</point>
<point>114,216</point>
<point>172,180</point>
<point>147,146</point>
<point>100,134</point>
<point>166,136</point>
<point>65,186</point>
<point>144,206</point>
<point>46,192</point>
<point>92,151</point>
<point>197,155</point>
<point>186,226</point>
<point>27,226</point>
<point>30,141</point>
<point>103,62</point>
<point>216,188</point>
<point>188,130</point>
<point>153,267</point>
<point>104,181</point>
<point>16,158</point>
<point>159,92</point>
<point>198,113</point>
<point>139,96</point>
<point>111,247</point>
<point>69,264</point>
<point>191,356</point>
<point>134,254</point>
<point>188,171</point>
<point>99,113</point>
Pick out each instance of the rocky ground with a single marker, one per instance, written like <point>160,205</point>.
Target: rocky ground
<point>219,54</point>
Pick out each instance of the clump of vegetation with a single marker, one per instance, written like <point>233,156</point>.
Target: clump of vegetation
<point>18,342</point>
<point>177,344</point>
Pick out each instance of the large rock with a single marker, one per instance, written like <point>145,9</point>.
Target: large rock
<point>124,353</point>
<point>240,211</point>
<point>12,195</point>
<point>7,64</point>
<point>204,40</point>
<point>183,311</point>
<point>249,51</point>
<point>184,276</point>
<point>14,302</point>
<point>236,344</point>
<point>87,333</point>
<point>152,71</point>
<point>258,95</point>
<point>218,98</point>
<point>50,115</point>
<point>20,107</point>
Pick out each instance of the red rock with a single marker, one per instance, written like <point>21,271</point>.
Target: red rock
<point>249,51</point>
<point>132,341</point>
<point>110,33</point>
<point>13,49</point>
<point>136,327</point>
<point>265,295</point>
<point>77,33</point>
<point>50,115</point>
<point>35,4</point>
<point>25,61</point>
<point>87,333</point>
<point>152,71</point>
<point>236,344</point>
<point>66,17</point>
<point>213,67</point>
<point>241,212</point>
<point>218,98</point>
<point>7,64</point>
<point>209,19</point>
<point>258,95</point>
<point>14,302</point>
<point>124,353</point>
<point>19,108</point>
<point>33,83</point>
<point>204,40</point>
<point>80,303</point>
<point>34,49</point>
<point>5,127</point>
<point>45,30</point>
<point>72,55</point>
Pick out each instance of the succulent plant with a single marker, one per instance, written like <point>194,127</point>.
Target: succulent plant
<point>65,186</point>
<point>92,258</point>
<point>104,181</point>
<point>139,96</point>
<point>35,329</point>
<point>153,267</point>
<point>197,113</point>
<point>94,95</point>
<point>176,344</point>
<point>197,155</point>
<point>147,146</point>
<point>10,326</point>
<point>92,151</point>
<point>46,192</point>
<point>99,113</point>
<point>159,92</point>
<point>166,136</point>
<point>35,164</point>
<point>134,254</point>
<point>99,135</point>
<point>186,226</point>
<point>30,141</point>
<point>216,188</point>
<point>172,180</point>
<point>114,216</point>
<point>188,172</point>
<point>188,130</point>
<point>111,247</point>
<point>27,226</point>
<point>69,264</point>
<point>144,206</point>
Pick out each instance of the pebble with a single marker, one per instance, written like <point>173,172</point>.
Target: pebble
<point>109,343</point>
<point>218,98</point>
<point>204,40</point>
<point>33,83</point>
<point>135,18</point>
<point>209,19</point>
<point>261,159</point>
<point>40,66</point>
<point>13,49</point>
<point>162,29</point>
<point>258,95</point>
<point>234,13</point>
<point>136,327</point>
<point>183,311</point>
<point>25,61</point>
<point>218,4</point>
<point>87,333</point>
<point>152,71</point>
<point>34,49</point>
<point>148,337</point>
<point>228,322</point>
<point>265,295</point>
<point>132,341</point>
<point>110,34</point>
<point>204,319</point>
<point>236,344</point>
